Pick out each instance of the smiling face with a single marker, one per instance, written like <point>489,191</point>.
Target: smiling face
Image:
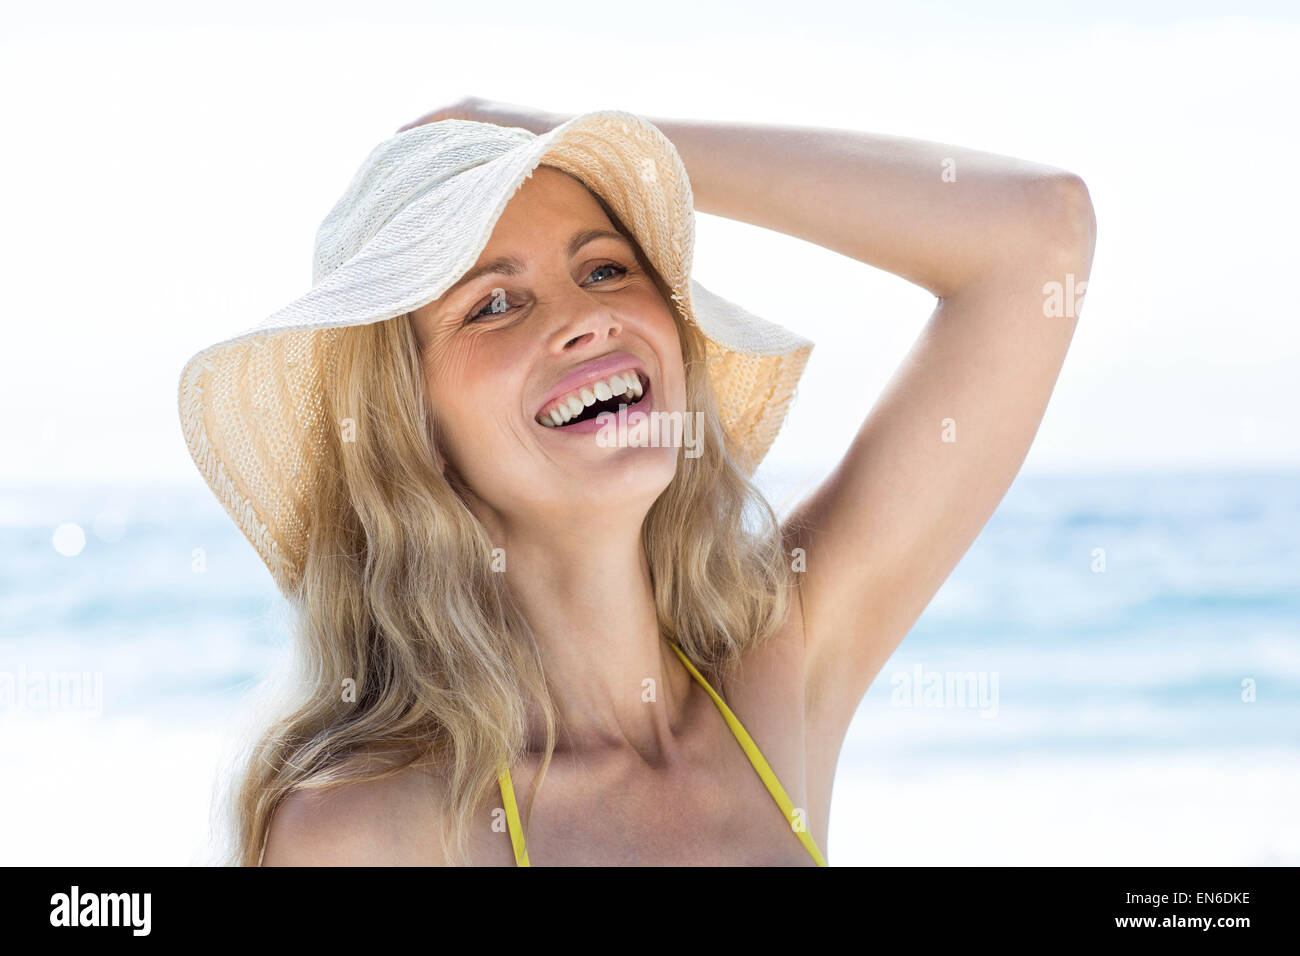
<point>565,307</point>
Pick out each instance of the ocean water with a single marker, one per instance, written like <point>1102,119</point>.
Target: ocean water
<point>1110,676</point>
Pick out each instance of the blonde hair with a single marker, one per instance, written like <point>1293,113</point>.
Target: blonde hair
<point>398,596</point>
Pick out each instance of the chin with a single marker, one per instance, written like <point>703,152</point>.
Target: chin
<point>625,478</point>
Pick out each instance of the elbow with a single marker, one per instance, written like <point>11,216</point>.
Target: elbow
<point>1064,222</point>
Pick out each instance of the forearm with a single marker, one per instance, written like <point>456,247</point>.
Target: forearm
<point>941,216</point>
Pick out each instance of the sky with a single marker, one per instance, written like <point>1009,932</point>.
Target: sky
<point>165,172</point>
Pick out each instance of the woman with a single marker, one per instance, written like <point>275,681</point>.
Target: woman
<point>507,599</point>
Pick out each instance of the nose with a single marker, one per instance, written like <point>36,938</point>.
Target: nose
<point>580,318</point>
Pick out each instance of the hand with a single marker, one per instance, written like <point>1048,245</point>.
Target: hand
<point>491,111</point>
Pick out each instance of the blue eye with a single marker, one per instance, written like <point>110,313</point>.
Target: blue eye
<point>618,270</point>
<point>497,304</point>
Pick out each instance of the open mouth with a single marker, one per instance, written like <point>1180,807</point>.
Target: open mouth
<point>586,404</point>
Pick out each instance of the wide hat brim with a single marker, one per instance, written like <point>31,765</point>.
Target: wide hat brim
<point>415,218</point>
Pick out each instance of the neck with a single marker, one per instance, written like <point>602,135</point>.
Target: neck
<point>586,591</point>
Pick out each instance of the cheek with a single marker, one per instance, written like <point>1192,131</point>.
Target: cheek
<point>472,395</point>
<point>668,344</point>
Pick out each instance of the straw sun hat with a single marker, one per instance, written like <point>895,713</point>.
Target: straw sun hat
<point>415,218</point>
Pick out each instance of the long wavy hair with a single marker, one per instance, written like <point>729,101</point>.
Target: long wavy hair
<point>409,648</point>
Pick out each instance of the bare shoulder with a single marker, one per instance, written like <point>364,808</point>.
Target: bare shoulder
<point>772,671</point>
<point>767,694</point>
<point>389,821</point>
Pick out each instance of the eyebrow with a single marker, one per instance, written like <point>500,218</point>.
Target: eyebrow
<point>510,266</point>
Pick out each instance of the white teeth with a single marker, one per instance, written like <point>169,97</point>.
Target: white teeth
<point>627,384</point>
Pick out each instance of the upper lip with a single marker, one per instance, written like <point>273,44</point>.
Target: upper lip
<point>593,371</point>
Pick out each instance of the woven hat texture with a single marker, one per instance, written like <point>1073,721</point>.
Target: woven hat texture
<point>414,219</point>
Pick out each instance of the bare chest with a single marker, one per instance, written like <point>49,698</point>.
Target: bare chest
<point>707,806</point>
<point>624,817</point>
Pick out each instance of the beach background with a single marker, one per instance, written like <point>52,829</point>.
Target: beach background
<point>1129,620</point>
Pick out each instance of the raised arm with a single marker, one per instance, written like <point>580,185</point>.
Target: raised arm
<point>1006,246</point>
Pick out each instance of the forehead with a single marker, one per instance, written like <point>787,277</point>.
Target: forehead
<point>548,201</point>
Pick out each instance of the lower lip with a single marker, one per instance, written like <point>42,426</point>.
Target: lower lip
<point>593,425</point>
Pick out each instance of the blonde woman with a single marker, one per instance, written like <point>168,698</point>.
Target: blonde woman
<point>525,639</point>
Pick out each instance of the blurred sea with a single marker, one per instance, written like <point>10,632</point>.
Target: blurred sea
<point>1136,639</point>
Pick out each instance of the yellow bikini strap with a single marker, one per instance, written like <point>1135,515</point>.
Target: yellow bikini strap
<point>512,818</point>
<point>759,763</point>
